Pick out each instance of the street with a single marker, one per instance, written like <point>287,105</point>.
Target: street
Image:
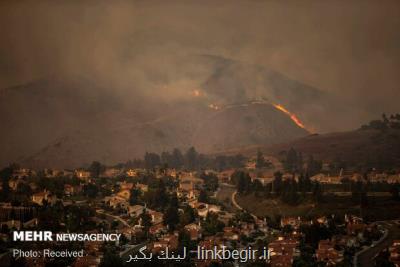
<point>366,258</point>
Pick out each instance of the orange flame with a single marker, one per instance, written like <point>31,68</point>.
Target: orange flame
<point>196,93</point>
<point>291,115</point>
<point>213,106</point>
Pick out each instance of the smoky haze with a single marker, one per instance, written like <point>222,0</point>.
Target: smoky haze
<point>349,49</point>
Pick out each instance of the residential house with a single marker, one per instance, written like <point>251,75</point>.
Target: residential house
<point>194,230</point>
<point>262,225</point>
<point>225,217</point>
<point>23,173</point>
<point>169,241</point>
<point>142,187</point>
<point>204,208</point>
<point>327,253</point>
<point>394,179</point>
<point>282,251</point>
<point>323,220</point>
<point>225,176</point>
<point>125,194</point>
<point>394,251</point>
<point>346,241</point>
<point>111,173</point>
<point>247,228</point>
<point>45,195</point>
<point>14,182</point>
<point>295,222</point>
<point>126,186</point>
<point>11,224</point>
<point>87,261</point>
<point>231,233</point>
<point>156,217</point>
<point>117,202</point>
<point>136,210</point>
<point>83,175</point>
<point>158,229</point>
<point>186,186</point>
<point>132,172</point>
<point>326,179</point>
<point>71,190</point>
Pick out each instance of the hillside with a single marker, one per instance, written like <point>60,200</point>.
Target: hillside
<point>245,125</point>
<point>233,81</point>
<point>58,122</point>
<point>231,128</point>
<point>361,147</point>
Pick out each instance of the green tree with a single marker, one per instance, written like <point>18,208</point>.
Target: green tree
<point>257,186</point>
<point>135,196</point>
<point>260,161</point>
<point>145,221</point>
<point>244,183</point>
<point>177,159</point>
<point>161,197</point>
<point>210,181</point>
<point>111,259</point>
<point>90,190</point>
<point>185,240</point>
<point>277,183</point>
<point>188,216</point>
<point>317,192</point>
<point>394,190</point>
<point>212,225</point>
<point>5,175</point>
<point>151,160</point>
<point>171,218</point>
<point>96,168</point>
<point>289,192</point>
<point>291,161</point>
<point>166,159</point>
<point>191,159</point>
<point>203,197</point>
<point>313,166</point>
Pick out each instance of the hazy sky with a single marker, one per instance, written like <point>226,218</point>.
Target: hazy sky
<point>351,48</point>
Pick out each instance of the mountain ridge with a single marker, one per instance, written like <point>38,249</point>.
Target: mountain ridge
<point>128,123</point>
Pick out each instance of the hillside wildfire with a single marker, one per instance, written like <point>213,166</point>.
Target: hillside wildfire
<point>294,118</point>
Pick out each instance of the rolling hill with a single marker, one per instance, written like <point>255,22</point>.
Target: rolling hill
<point>58,122</point>
<point>373,148</point>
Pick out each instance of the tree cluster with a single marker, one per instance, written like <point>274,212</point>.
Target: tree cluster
<point>288,190</point>
<point>391,122</point>
<point>294,162</point>
<point>210,181</point>
<point>190,160</point>
<point>261,162</point>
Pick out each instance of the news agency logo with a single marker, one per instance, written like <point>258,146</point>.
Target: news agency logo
<point>32,236</point>
<point>66,237</point>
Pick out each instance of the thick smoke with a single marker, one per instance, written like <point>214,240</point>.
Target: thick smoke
<point>348,48</point>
